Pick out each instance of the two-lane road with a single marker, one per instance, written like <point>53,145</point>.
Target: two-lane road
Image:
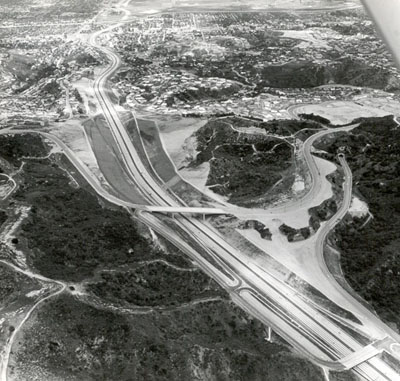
<point>324,343</point>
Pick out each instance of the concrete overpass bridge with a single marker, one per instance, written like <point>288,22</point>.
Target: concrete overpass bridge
<point>173,210</point>
<point>367,353</point>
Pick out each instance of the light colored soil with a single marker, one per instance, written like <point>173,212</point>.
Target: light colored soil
<point>342,112</point>
<point>85,88</point>
<point>111,163</point>
<point>390,106</point>
<point>73,135</point>
<point>298,185</point>
<point>174,135</point>
<point>198,177</point>
<point>358,208</point>
<point>178,140</point>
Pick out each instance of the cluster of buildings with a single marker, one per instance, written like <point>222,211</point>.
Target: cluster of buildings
<point>174,91</point>
<point>36,71</point>
<point>43,50</point>
<point>187,64</point>
<point>208,63</point>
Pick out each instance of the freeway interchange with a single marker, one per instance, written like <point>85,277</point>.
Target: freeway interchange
<point>262,293</point>
<point>326,338</point>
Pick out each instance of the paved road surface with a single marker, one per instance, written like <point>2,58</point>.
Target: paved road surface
<point>260,292</point>
<point>256,290</point>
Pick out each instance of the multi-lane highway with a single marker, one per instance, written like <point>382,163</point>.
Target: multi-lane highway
<point>255,289</point>
<point>260,291</point>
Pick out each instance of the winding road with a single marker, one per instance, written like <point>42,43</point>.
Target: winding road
<point>5,354</point>
<point>260,291</point>
<point>256,290</point>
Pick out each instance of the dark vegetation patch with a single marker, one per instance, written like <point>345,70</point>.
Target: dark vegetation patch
<point>320,213</point>
<point>150,285</point>
<point>246,167</point>
<point>293,74</point>
<point>355,72</point>
<point>215,339</point>
<point>243,167</point>
<point>346,71</point>
<point>41,72</point>
<point>293,234</point>
<point>195,94</point>
<point>52,88</point>
<point>13,285</point>
<point>316,118</point>
<point>258,226</point>
<point>14,148</point>
<point>69,232</point>
<point>370,257</point>
<point>278,127</point>
<point>241,171</point>
<point>3,217</point>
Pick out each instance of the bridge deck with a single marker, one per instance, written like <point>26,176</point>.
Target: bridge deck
<point>357,358</point>
<point>185,210</point>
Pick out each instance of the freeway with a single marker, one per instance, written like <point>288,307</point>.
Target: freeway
<point>257,290</point>
<point>246,295</point>
<point>210,239</point>
<point>277,305</point>
<point>255,283</point>
<point>230,282</point>
<point>260,292</point>
<point>154,192</point>
<point>78,164</point>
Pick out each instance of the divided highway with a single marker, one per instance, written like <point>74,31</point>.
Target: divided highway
<point>256,290</point>
<point>260,291</point>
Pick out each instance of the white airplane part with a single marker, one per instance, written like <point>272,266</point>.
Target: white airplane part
<point>386,14</point>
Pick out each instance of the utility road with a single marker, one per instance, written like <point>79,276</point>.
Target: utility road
<point>257,290</point>
<point>262,292</point>
<point>59,288</point>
